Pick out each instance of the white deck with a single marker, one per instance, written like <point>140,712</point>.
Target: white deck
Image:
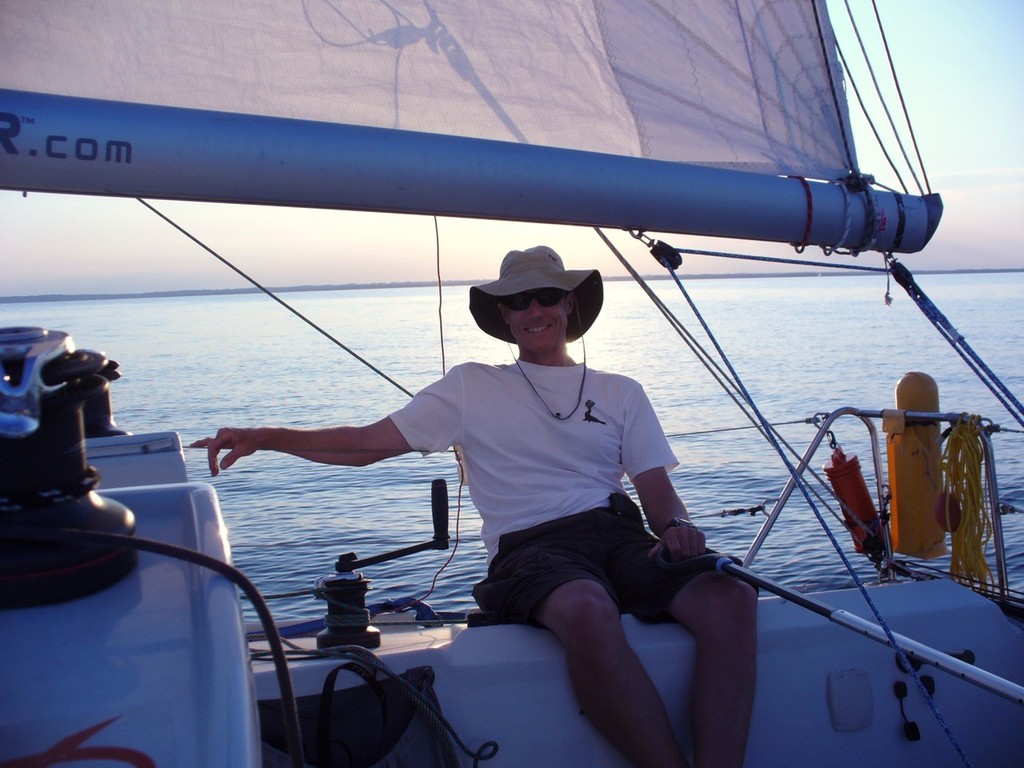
<point>824,694</point>
<point>162,656</point>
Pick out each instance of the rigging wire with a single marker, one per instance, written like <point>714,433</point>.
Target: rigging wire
<point>878,91</point>
<point>272,295</point>
<point>350,351</point>
<point>870,122</point>
<point>741,393</point>
<point>458,538</point>
<point>900,273</point>
<point>712,366</point>
<point>913,169</point>
<point>719,430</point>
<point>903,276</point>
<point>778,260</point>
<point>440,294</point>
<point>455,451</point>
<point>899,91</point>
<point>723,379</point>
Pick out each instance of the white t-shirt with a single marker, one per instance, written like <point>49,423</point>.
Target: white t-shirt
<point>523,465</point>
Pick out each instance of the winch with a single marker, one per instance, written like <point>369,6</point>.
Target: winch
<point>46,481</point>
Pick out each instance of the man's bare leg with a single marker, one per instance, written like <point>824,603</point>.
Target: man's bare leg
<point>611,684</point>
<point>721,613</point>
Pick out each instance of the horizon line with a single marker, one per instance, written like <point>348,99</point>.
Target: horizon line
<point>192,292</point>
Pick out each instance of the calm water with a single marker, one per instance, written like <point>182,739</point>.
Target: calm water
<point>801,345</point>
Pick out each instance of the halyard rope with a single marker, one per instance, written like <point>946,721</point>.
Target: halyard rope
<point>962,481</point>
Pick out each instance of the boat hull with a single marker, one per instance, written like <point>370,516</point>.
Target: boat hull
<point>157,666</point>
<point>152,671</point>
<point>825,695</point>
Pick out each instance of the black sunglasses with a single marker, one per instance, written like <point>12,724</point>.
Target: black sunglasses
<point>546,297</point>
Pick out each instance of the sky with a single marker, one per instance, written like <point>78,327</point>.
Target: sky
<point>961,70</point>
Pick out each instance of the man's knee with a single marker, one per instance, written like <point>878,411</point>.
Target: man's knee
<point>716,599</point>
<point>579,610</point>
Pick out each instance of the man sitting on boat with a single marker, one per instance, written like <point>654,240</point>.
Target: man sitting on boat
<point>545,443</point>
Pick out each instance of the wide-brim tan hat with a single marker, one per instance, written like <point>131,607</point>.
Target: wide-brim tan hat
<point>530,270</point>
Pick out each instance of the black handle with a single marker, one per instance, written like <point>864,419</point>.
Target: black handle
<point>439,509</point>
<point>348,562</point>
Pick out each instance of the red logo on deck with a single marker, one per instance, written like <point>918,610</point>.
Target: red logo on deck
<point>71,749</point>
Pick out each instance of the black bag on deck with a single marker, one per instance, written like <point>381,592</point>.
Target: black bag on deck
<point>376,724</point>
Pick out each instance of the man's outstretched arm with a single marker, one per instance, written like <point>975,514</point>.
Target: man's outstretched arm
<point>351,446</point>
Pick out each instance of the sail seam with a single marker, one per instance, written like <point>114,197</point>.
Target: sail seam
<point>609,49</point>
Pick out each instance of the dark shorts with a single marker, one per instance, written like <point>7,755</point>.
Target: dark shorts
<point>595,545</point>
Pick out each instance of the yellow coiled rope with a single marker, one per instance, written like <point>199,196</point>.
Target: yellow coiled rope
<point>962,485</point>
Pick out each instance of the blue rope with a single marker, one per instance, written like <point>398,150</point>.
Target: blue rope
<point>661,253</point>
<point>903,276</point>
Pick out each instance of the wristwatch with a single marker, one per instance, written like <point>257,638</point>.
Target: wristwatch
<point>680,522</point>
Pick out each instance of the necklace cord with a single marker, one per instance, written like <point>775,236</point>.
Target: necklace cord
<point>579,395</point>
<point>583,378</point>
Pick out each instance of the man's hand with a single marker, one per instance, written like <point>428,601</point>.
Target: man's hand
<point>680,542</point>
<point>662,506</point>
<point>238,442</point>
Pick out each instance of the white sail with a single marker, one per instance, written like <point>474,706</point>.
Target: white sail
<point>748,86</point>
<point>669,81</point>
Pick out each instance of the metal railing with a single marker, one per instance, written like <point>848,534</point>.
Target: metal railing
<point>868,418</point>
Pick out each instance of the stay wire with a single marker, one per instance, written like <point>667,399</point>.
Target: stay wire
<point>720,430</point>
<point>1002,393</point>
<point>779,260</point>
<point>457,453</point>
<point>337,342</point>
<point>724,381</point>
<point>806,493</point>
<point>903,103</point>
<point>904,278</point>
<point>871,123</point>
<point>878,92</point>
<point>709,363</point>
<point>440,294</point>
<point>274,296</point>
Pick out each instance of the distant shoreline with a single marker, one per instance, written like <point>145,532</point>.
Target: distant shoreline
<point>39,298</point>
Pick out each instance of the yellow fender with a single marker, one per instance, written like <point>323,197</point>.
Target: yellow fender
<point>914,475</point>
